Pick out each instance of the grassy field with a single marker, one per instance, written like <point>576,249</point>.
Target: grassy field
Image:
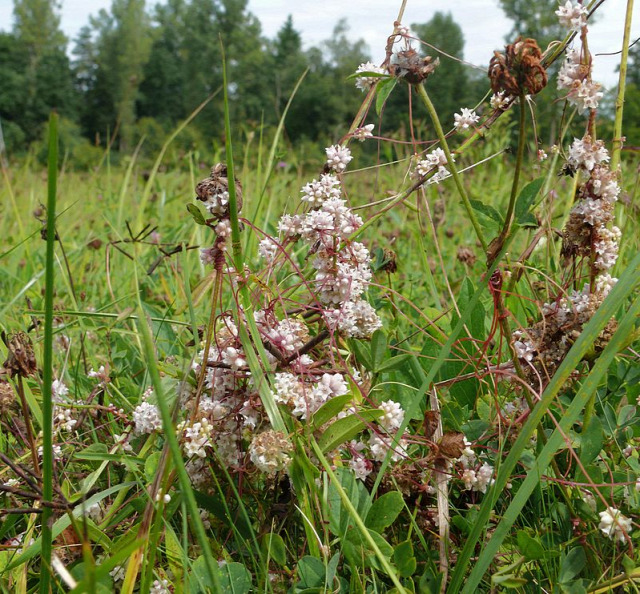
<point>369,404</point>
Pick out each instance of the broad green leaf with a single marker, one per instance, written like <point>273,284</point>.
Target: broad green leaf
<point>526,198</point>
<point>340,521</point>
<point>383,91</point>
<point>346,428</point>
<point>404,559</point>
<point>487,210</point>
<point>329,410</point>
<point>196,213</point>
<point>378,349</point>
<point>529,546</point>
<point>572,565</point>
<point>359,552</point>
<point>394,363</point>
<point>274,548</point>
<point>591,440</point>
<point>384,511</point>
<point>362,353</point>
<point>311,572</point>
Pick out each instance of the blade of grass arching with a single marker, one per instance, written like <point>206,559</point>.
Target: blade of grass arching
<point>384,562</point>
<point>271,160</point>
<point>146,193</point>
<point>625,286</point>
<point>570,416</point>
<point>47,406</point>
<point>125,182</point>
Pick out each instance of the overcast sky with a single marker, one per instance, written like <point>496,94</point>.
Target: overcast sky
<point>482,22</point>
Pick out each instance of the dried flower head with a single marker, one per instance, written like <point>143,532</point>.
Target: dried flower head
<point>214,192</point>
<point>270,451</point>
<point>21,359</point>
<point>519,70</point>
<point>411,66</point>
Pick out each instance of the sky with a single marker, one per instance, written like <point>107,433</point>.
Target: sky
<point>482,21</point>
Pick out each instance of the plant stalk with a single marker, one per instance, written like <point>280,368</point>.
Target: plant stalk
<point>47,381</point>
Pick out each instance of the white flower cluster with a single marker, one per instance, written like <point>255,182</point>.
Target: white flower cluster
<point>465,120</point>
<point>596,203</point>
<point>575,78</point>
<point>270,451</point>
<point>304,398</point>
<point>474,477</point>
<point>146,416</point>
<point>366,82</point>
<point>572,15</point>
<point>316,192</point>
<point>338,157</point>
<point>196,437</point>
<point>614,525</point>
<point>160,587</point>
<point>62,415</point>
<point>435,159</point>
<point>499,100</point>
<point>343,267</point>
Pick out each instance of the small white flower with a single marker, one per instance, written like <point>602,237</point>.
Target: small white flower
<point>499,100</point>
<point>364,132</point>
<point>366,82</point>
<point>466,119</point>
<point>614,525</point>
<point>572,16</point>
<point>338,157</point>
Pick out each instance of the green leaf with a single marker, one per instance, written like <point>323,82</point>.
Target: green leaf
<point>572,565</point>
<point>404,559</point>
<point>362,353</point>
<point>234,578</point>
<point>196,213</point>
<point>378,349</point>
<point>591,440</point>
<point>384,511</point>
<point>383,91</point>
<point>340,521</point>
<point>329,410</point>
<point>274,548</point>
<point>151,465</point>
<point>526,198</point>
<point>529,546</point>
<point>487,210</point>
<point>347,428</point>
<point>359,552</point>
<point>311,572</point>
<point>508,581</point>
<point>394,363</point>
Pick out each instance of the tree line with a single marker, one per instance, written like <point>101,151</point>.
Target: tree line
<point>136,71</point>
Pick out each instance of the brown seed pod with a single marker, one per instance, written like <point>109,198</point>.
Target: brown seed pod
<point>519,70</point>
<point>411,66</point>
<point>210,190</point>
<point>21,359</point>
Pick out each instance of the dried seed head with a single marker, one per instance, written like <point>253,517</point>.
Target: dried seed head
<point>411,66</point>
<point>7,397</point>
<point>466,256</point>
<point>519,70</point>
<point>214,192</point>
<point>390,261</point>
<point>21,359</point>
